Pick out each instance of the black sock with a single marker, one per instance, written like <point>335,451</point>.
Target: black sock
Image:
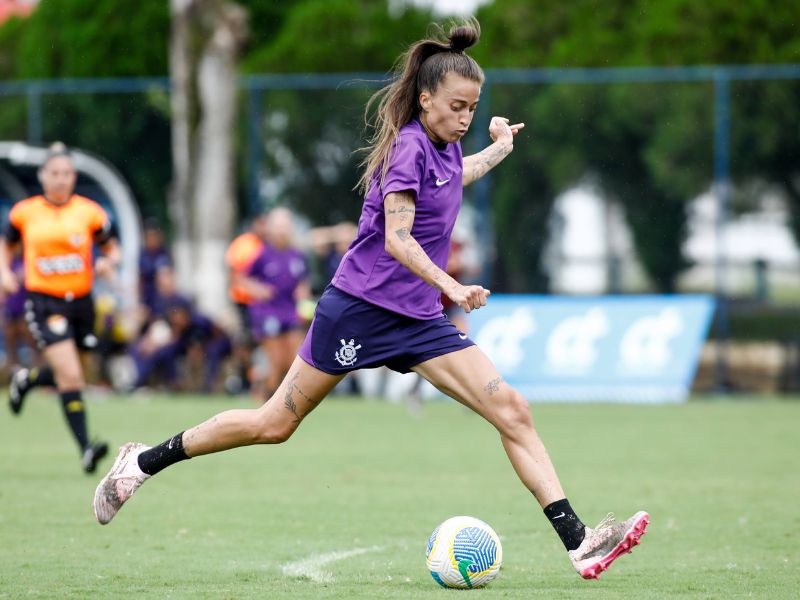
<point>165,454</point>
<point>41,376</point>
<point>566,523</point>
<point>72,402</point>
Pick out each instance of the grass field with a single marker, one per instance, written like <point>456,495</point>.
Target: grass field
<point>344,509</point>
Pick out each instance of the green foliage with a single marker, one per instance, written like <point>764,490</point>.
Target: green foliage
<point>649,146</point>
<point>322,36</point>
<point>102,38</point>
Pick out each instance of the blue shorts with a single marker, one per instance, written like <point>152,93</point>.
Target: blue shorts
<point>348,333</point>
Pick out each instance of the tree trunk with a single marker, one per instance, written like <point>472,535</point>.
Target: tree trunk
<point>179,199</point>
<point>214,192</point>
<point>202,198</point>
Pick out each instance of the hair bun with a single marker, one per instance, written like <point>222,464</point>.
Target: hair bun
<point>464,35</point>
<point>57,148</point>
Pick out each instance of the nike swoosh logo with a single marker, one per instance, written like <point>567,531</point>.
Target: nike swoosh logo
<point>463,565</point>
<point>441,182</point>
<point>463,336</point>
<point>559,516</point>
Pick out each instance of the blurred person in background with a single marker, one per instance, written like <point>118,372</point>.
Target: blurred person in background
<point>58,230</point>
<point>239,257</point>
<point>278,281</point>
<point>178,336</point>
<point>383,306</point>
<point>17,336</point>
<point>154,256</point>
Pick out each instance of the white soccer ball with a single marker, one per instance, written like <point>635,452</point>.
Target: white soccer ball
<point>464,552</point>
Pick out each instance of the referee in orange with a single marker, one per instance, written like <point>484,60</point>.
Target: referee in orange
<point>58,230</point>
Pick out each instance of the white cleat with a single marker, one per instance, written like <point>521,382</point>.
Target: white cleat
<point>120,483</point>
<point>607,542</point>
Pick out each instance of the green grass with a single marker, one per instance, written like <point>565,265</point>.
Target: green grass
<point>721,480</point>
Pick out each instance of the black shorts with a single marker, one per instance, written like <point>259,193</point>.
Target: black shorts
<point>52,319</point>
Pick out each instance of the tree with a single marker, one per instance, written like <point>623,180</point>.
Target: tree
<point>204,46</point>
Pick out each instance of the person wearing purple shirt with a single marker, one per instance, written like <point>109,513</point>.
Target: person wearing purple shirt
<point>15,327</point>
<point>281,276</point>
<point>383,306</point>
<point>153,257</point>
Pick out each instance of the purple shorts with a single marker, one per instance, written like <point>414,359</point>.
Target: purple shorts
<point>266,326</point>
<point>348,333</point>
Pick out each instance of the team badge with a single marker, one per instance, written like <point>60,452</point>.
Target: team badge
<point>76,239</point>
<point>57,324</point>
<point>346,355</point>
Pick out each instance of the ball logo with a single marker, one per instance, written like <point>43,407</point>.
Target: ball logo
<point>346,355</point>
<point>572,345</point>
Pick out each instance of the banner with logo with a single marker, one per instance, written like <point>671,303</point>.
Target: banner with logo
<point>604,349</point>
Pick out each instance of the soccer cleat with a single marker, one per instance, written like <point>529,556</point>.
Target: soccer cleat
<point>17,389</point>
<point>607,542</point>
<point>92,455</point>
<point>120,483</point>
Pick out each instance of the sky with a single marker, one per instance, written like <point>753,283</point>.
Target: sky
<point>451,7</point>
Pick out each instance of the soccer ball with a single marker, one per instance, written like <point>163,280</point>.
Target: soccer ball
<point>464,552</point>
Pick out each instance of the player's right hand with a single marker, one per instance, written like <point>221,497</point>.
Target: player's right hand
<point>470,297</point>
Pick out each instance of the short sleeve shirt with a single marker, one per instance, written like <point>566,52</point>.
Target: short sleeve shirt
<point>57,242</point>
<point>432,172</point>
<point>284,270</point>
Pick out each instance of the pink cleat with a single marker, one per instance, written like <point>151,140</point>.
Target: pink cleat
<point>118,485</point>
<point>607,542</point>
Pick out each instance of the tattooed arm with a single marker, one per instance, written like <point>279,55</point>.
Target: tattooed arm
<point>502,134</point>
<point>399,210</point>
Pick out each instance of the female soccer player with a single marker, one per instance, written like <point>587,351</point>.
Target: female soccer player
<point>58,230</point>
<point>279,280</point>
<point>383,307</point>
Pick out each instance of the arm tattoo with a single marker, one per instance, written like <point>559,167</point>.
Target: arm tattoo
<point>403,233</point>
<point>403,210</point>
<point>487,159</point>
<point>493,386</point>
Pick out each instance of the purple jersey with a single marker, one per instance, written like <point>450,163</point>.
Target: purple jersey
<point>433,173</point>
<point>284,270</point>
<point>15,303</point>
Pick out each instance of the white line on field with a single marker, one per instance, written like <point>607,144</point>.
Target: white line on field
<point>311,567</point>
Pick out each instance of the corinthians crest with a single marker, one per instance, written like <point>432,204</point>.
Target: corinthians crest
<point>346,355</point>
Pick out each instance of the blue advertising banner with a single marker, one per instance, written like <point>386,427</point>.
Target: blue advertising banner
<point>604,349</point>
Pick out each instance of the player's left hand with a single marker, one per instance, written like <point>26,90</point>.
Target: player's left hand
<point>469,297</point>
<point>501,130</point>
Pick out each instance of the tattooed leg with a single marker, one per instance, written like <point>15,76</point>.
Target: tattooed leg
<point>469,376</point>
<point>274,422</point>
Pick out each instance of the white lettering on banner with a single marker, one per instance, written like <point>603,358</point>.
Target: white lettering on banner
<point>645,345</point>
<point>571,347</point>
<point>61,265</point>
<point>501,337</point>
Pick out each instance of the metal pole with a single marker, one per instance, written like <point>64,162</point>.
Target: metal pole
<point>34,115</point>
<point>722,96</point>
<point>255,144</point>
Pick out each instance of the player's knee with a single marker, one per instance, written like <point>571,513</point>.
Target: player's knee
<point>515,414</point>
<point>272,431</point>
<point>69,380</point>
